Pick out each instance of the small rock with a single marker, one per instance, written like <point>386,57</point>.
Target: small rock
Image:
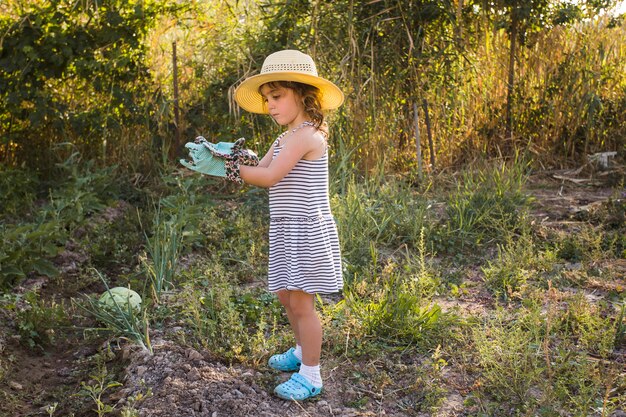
<point>193,375</point>
<point>141,370</point>
<point>125,353</point>
<point>238,393</point>
<point>194,355</point>
<point>322,404</point>
<point>16,386</point>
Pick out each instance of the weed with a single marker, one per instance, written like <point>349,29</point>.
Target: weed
<point>395,314</point>
<point>37,321</point>
<point>593,330</point>
<point>234,324</point>
<point>620,327</point>
<point>28,248</point>
<point>422,279</point>
<point>95,389</point>
<point>489,204</point>
<point>129,409</point>
<point>18,189</point>
<point>113,240</point>
<point>50,409</point>
<point>429,382</point>
<point>581,385</point>
<point>82,190</point>
<point>513,267</point>
<point>507,355</point>
<point>385,214</point>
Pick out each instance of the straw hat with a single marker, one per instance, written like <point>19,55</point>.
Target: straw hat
<point>287,65</point>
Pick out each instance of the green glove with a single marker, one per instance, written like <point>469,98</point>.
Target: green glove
<point>203,160</point>
<point>220,160</point>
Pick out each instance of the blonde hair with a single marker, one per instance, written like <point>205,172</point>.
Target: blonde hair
<point>310,96</point>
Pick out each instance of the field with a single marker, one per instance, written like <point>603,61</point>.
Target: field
<point>499,291</point>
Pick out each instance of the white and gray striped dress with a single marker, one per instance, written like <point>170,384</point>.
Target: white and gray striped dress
<point>304,245</point>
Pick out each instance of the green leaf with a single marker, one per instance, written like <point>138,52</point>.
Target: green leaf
<point>45,267</point>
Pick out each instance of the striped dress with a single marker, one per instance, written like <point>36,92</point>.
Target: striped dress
<point>304,245</point>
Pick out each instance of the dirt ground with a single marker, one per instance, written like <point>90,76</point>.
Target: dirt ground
<point>185,382</point>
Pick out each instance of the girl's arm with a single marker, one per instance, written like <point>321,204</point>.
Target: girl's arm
<point>265,161</point>
<point>270,171</point>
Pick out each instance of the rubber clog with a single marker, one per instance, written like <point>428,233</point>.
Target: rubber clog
<point>297,388</point>
<point>285,362</point>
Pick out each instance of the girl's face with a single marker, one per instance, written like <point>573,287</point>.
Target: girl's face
<point>284,105</point>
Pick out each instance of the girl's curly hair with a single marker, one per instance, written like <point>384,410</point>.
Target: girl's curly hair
<point>310,98</point>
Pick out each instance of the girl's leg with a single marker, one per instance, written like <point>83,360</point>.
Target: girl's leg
<point>307,382</point>
<point>284,297</point>
<point>302,306</point>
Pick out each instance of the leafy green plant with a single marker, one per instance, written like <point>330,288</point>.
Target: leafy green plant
<point>506,276</point>
<point>38,322</point>
<point>422,279</point>
<point>119,320</point>
<point>28,248</point>
<point>82,189</point>
<point>386,214</point>
<point>18,188</point>
<point>395,314</point>
<point>429,386</point>
<point>593,329</point>
<point>129,409</point>
<point>509,362</point>
<point>584,386</point>
<point>112,240</point>
<point>99,385</point>
<point>231,323</point>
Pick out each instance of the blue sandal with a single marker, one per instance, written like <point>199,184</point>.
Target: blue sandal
<point>297,388</point>
<point>285,361</point>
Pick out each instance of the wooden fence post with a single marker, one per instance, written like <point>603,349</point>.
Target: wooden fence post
<point>431,147</point>
<point>174,148</point>
<point>418,144</point>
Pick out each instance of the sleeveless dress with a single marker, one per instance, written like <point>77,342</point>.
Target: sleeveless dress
<point>304,245</point>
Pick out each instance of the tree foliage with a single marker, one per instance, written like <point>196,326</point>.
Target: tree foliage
<point>73,71</point>
<point>497,74</point>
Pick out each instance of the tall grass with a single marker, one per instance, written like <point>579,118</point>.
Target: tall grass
<point>489,203</point>
<point>387,213</point>
<point>164,248</point>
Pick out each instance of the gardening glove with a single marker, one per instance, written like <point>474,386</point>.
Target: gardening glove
<point>222,159</point>
<point>222,149</point>
<point>234,151</point>
<point>243,156</point>
<point>203,161</point>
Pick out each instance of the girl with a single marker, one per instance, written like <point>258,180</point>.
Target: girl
<point>304,254</point>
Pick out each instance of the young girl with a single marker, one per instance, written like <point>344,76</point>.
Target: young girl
<point>304,254</point>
